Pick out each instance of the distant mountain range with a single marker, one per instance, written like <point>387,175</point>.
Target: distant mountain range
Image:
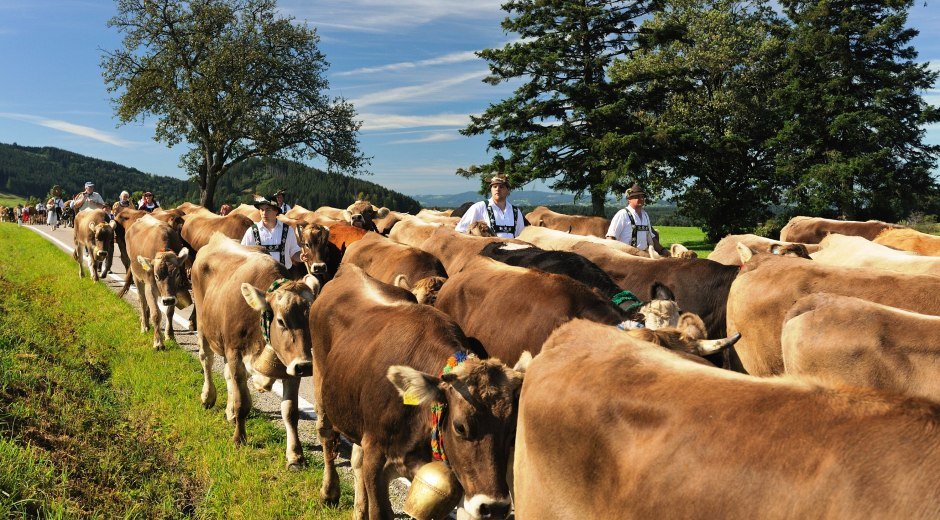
<point>520,198</point>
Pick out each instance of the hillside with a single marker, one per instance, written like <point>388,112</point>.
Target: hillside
<point>31,171</point>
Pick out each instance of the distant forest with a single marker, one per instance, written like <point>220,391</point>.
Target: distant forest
<point>31,172</point>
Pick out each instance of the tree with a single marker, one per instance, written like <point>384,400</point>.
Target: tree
<point>233,80</point>
<point>705,95</point>
<point>557,124</point>
<point>853,143</point>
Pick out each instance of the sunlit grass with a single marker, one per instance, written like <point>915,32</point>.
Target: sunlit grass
<point>691,237</point>
<point>8,200</point>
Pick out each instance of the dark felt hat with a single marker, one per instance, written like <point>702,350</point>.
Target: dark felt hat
<point>635,192</point>
<point>261,201</point>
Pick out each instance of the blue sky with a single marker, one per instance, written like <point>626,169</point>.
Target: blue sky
<point>407,65</point>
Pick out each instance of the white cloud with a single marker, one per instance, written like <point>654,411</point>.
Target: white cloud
<point>415,91</point>
<point>71,128</point>
<point>436,137</point>
<point>447,59</point>
<point>372,122</point>
<point>386,15</point>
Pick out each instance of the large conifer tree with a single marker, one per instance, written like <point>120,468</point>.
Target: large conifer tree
<point>853,145</point>
<point>560,123</point>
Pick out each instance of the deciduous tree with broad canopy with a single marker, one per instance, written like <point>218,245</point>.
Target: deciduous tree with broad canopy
<point>232,79</point>
<point>567,123</point>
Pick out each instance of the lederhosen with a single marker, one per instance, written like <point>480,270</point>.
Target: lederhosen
<point>637,229</point>
<point>278,248</point>
<point>511,228</point>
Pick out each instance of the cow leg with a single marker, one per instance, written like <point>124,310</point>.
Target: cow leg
<point>239,399</point>
<point>155,315</point>
<point>168,310</point>
<point>290,414</point>
<point>144,305</point>
<point>78,256</point>
<point>206,357</point>
<point>374,481</point>
<point>329,439</point>
<point>361,504</point>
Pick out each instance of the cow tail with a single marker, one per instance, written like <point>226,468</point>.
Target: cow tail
<point>128,280</point>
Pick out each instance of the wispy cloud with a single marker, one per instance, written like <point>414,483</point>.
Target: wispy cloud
<point>373,122</point>
<point>387,15</point>
<point>71,128</point>
<point>415,91</point>
<point>436,137</point>
<point>447,59</point>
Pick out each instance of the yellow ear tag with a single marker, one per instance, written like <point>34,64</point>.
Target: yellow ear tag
<point>410,398</point>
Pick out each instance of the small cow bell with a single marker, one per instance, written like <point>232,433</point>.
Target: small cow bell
<point>435,492</point>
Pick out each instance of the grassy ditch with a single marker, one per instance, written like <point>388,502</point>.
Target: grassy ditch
<point>94,423</point>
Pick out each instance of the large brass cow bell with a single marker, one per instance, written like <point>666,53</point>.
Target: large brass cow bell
<point>268,364</point>
<point>434,493</point>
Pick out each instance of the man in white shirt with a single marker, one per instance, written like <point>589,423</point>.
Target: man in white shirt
<point>271,234</point>
<point>632,225</point>
<point>281,205</point>
<point>504,219</point>
<point>88,199</point>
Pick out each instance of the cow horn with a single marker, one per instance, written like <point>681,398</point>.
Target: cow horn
<point>653,254</point>
<point>712,346</point>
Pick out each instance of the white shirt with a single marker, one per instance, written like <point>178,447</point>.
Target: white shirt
<point>285,208</point>
<point>87,203</point>
<point>273,237</point>
<point>506,217</point>
<point>622,230</point>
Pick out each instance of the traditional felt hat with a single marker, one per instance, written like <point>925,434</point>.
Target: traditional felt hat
<point>499,178</point>
<point>279,192</point>
<point>635,192</point>
<point>261,201</point>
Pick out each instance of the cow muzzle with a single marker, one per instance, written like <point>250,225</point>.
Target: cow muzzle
<point>486,507</point>
<point>300,368</point>
<point>357,220</point>
<point>100,254</point>
<point>169,301</point>
<point>318,268</point>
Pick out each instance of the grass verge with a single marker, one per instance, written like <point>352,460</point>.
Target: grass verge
<point>94,423</point>
<point>9,200</point>
<point>691,237</point>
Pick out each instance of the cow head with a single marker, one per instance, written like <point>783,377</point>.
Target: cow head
<point>362,213</point>
<point>425,290</point>
<point>680,339</point>
<point>169,273</point>
<point>314,242</point>
<point>102,236</point>
<point>481,398</point>
<point>797,250</point>
<point>680,251</point>
<point>287,307</point>
<point>480,229</point>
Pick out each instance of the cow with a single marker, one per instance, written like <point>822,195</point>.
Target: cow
<point>653,430</point>
<point>360,213</point>
<point>247,210</point>
<point>678,251</point>
<point>413,231</point>
<point>574,224</point>
<point>434,213</point>
<point>200,224</point>
<point>910,240</point>
<point>379,359</point>
<point>250,314</point>
<point>726,250</point>
<point>811,230</point>
<point>94,240</point>
<point>856,342</point>
<point>561,241</point>
<point>390,262</point>
<point>455,250</point>
<point>438,219</point>
<point>839,250</point>
<point>769,285</point>
<point>325,246</point>
<point>158,269</point>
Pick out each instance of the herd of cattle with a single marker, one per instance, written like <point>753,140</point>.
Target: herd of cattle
<point>576,400</point>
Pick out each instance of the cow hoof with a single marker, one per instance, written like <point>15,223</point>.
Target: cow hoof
<point>159,346</point>
<point>297,466</point>
<point>208,403</point>
<point>330,497</point>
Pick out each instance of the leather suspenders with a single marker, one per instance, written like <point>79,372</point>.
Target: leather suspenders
<point>511,228</point>
<point>636,229</point>
<point>277,248</point>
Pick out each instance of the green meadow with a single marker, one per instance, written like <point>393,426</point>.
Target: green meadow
<point>691,237</point>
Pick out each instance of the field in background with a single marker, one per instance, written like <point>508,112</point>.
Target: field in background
<point>10,200</point>
<point>691,237</point>
<point>95,424</point>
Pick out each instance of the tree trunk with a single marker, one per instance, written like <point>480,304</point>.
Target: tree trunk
<point>207,194</point>
<point>597,203</point>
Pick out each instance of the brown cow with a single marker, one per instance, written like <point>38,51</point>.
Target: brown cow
<point>247,210</point>
<point>325,246</point>
<point>811,230</point>
<point>653,430</point>
<point>574,224</point>
<point>910,240</point>
<point>840,250</point>
<point>159,271</point>
<point>369,333</point>
<point>233,286</point>
<point>94,240</point>
<point>769,284</point>
<point>200,225</point>
<point>390,262</point>
<point>561,241</point>
<point>455,250</point>
<point>861,343</point>
<point>360,213</point>
<point>726,250</point>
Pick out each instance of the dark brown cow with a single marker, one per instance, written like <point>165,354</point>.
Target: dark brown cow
<point>159,271</point>
<point>811,230</point>
<point>574,224</point>
<point>388,261</point>
<point>369,333</point>
<point>653,430</point>
<point>726,250</point>
<point>861,343</point>
<point>94,240</point>
<point>769,284</point>
<point>199,226</point>
<point>232,288</point>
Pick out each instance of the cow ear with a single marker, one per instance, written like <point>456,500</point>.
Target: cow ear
<point>91,226</point>
<point>775,249</point>
<point>347,215</point>
<point>653,254</point>
<point>144,263</point>
<point>402,281</point>
<point>313,284</point>
<point>745,252</point>
<point>415,387</point>
<point>523,364</point>
<point>661,292</point>
<point>692,325</point>
<point>382,212</point>
<point>184,254</point>
<point>255,298</point>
